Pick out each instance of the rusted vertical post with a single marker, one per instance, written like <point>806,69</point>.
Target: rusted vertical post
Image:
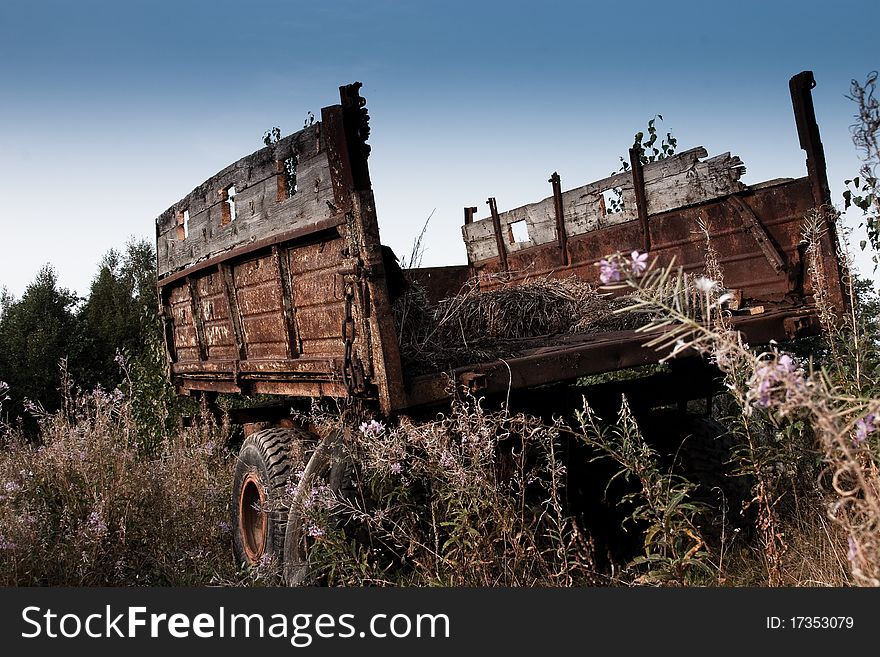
<point>638,175</point>
<point>499,237</point>
<point>801,86</point>
<point>469,215</point>
<point>561,235</point>
<point>198,322</point>
<point>281,191</point>
<point>228,281</point>
<point>287,302</point>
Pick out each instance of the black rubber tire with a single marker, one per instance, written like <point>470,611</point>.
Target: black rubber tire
<point>334,471</point>
<point>265,466</point>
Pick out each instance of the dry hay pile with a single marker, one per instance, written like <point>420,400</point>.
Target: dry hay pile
<point>475,326</point>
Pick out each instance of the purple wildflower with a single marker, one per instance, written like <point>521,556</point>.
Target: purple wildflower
<point>372,428</point>
<point>864,428</point>
<point>396,468</point>
<point>6,544</point>
<point>225,527</point>
<point>447,460</point>
<point>639,262</point>
<point>315,531</point>
<point>780,375</point>
<point>10,487</point>
<point>609,270</point>
<point>786,364</point>
<point>96,525</point>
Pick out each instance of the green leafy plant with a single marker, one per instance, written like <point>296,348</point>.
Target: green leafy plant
<point>674,549</point>
<point>649,151</point>
<point>863,191</point>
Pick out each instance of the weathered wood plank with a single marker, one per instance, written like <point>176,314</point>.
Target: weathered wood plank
<point>259,214</point>
<point>675,182</point>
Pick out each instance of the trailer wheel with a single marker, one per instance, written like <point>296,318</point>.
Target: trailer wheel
<point>325,464</point>
<point>265,464</point>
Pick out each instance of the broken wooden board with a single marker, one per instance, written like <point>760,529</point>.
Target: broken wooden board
<point>260,210</point>
<point>676,182</point>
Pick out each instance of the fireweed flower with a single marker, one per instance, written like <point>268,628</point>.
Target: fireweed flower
<point>864,428</point>
<point>372,428</point>
<point>609,271</point>
<point>776,381</point>
<point>447,460</point>
<point>96,525</point>
<point>639,262</point>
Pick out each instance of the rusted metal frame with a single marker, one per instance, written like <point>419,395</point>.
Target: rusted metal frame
<point>356,123</point>
<point>561,236</point>
<point>167,319</point>
<point>294,345</point>
<point>801,86</point>
<point>232,305</point>
<point>499,236</point>
<point>281,191</point>
<point>299,389</point>
<point>381,338</point>
<point>198,322</point>
<point>606,353</point>
<point>753,224</point>
<point>440,282</point>
<point>303,366</point>
<point>638,177</point>
<point>335,143</point>
<point>228,387</point>
<point>352,383</point>
<point>297,234</point>
<point>469,213</point>
<point>346,132</point>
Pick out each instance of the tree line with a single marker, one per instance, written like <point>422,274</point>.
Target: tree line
<point>95,337</point>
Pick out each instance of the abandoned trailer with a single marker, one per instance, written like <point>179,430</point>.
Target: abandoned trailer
<point>273,280</point>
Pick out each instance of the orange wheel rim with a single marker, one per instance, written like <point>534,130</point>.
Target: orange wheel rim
<point>252,519</point>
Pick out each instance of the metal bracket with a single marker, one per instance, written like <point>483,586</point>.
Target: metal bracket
<point>756,228</point>
<point>499,238</point>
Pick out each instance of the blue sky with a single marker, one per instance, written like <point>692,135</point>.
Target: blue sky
<point>112,111</point>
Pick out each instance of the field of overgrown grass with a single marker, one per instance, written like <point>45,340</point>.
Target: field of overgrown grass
<point>483,496</point>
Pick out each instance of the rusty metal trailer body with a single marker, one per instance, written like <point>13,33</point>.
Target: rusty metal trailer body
<point>271,277</point>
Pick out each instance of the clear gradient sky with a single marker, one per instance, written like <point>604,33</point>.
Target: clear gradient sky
<point>110,111</point>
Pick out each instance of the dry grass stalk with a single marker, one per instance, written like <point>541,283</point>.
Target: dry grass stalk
<point>480,325</point>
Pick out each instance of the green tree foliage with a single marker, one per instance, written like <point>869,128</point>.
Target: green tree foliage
<point>119,316</point>
<point>34,336</point>
<point>863,191</point>
<point>649,151</point>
